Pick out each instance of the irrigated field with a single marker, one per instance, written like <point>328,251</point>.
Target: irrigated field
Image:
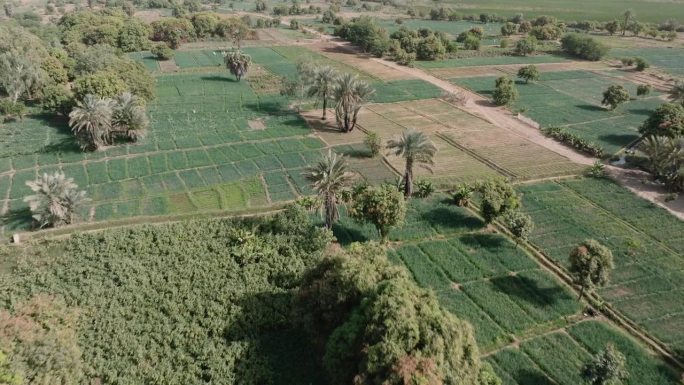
<point>572,100</point>
<point>647,243</point>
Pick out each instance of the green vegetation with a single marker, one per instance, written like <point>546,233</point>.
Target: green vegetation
<point>590,265</point>
<point>505,92</point>
<point>417,150</point>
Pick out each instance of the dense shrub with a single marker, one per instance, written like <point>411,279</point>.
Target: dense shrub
<point>526,46</point>
<point>574,141</point>
<point>103,84</point>
<point>546,32</point>
<point>584,47</point>
<point>172,31</point>
<point>162,51</point>
<point>505,91</point>
<point>667,120</point>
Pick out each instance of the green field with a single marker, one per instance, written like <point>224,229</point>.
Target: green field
<point>668,59</point>
<point>487,60</point>
<point>605,10</point>
<point>572,99</point>
<point>646,241</point>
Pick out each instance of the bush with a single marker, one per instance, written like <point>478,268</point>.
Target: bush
<point>106,84</point>
<point>641,64</point>
<point>643,89</point>
<point>584,47</point>
<point>57,98</point>
<point>462,194</point>
<point>472,42</point>
<point>374,143</point>
<point>162,51</point>
<point>574,141</point>
<point>12,110</point>
<point>627,61</point>
<point>509,29</point>
<point>597,170</point>
<point>546,32</point>
<point>528,73</point>
<point>505,91</point>
<point>424,188</point>
<point>526,46</point>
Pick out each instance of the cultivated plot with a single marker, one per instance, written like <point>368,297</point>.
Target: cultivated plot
<point>649,262</point>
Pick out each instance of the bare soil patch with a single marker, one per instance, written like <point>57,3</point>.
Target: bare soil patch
<point>256,124</point>
<point>350,56</point>
<point>168,66</point>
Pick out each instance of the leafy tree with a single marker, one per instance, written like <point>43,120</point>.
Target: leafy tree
<point>628,15</point>
<point>472,42</point>
<point>525,27</point>
<point>137,79</point>
<point>497,197</point>
<point>665,160</point>
<point>322,85</point>
<point>584,47</point>
<point>133,36</point>
<point>607,367</point>
<point>612,26</point>
<point>519,224</point>
<point>614,96</point>
<point>590,265</point>
<point>382,206</point>
<point>55,70</point>
<point>128,116</point>
<point>204,24</point>
<point>641,64</point>
<point>328,177</point>
<point>677,92</point>
<point>55,199</point>
<point>528,73</point>
<point>233,29</point>
<point>667,120</point>
<point>546,32</point>
<point>172,31</point>
<point>57,98</point>
<point>105,84</point>
<point>372,140</point>
<point>643,89</point>
<point>526,46</point>
<point>509,29</point>
<point>417,150</point>
<point>91,121</point>
<point>238,63</point>
<point>636,28</point>
<point>162,51</point>
<point>18,75</point>
<point>350,95</point>
<point>505,91</point>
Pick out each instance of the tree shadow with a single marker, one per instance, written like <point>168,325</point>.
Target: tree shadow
<point>530,377</point>
<point>347,235</point>
<point>279,352</point>
<point>355,152</point>
<point>488,241</point>
<point>523,288</point>
<point>640,111</point>
<point>590,107</point>
<point>18,219</point>
<point>69,144</point>
<point>619,139</point>
<point>270,107</point>
<point>219,78</point>
<point>451,219</point>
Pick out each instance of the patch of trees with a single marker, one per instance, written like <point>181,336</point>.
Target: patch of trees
<point>296,9</point>
<point>574,141</point>
<point>614,96</point>
<point>108,26</point>
<point>583,47</point>
<point>663,145</point>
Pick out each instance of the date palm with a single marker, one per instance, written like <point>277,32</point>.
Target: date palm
<point>323,84</point>
<point>128,116</point>
<point>350,93</point>
<point>55,199</point>
<point>91,121</point>
<point>328,177</point>
<point>416,149</point>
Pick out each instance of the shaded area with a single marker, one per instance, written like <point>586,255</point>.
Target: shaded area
<point>528,290</point>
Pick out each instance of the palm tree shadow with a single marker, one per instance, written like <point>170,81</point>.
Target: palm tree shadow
<point>219,78</point>
<point>17,219</point>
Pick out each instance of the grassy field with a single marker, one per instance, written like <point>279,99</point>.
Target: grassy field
<point>574,97</point>
<point>668,59</point>
<point>646,241</point>
<point>605,10</point>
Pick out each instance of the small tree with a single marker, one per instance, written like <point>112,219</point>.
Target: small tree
<point>614,96</point>
<point>416,149</point>
<point>238,63</point>
<point>640,64</point>
<point>382,206</point>
<point>162,51</point>
<point>91,121</point>
<point>55,199</point>
<point>328,177</point>
<point>350,94</point>
<point>462,194</point>
<point>590,265</point>
<point>526,46</point>
<point>509,29</point>
<point>528,73</point>
<point>667,120</point>
<point>629,14</point>
<point>505,91</point>
<point>129,117</point>
<point>372,140</point>
<point>498,197</point>
<point>519,224</point>
<point>612,26</point>
<point>606,367</point>
<point>643,89</point>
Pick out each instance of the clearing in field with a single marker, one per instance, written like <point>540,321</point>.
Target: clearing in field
<point>572,100</point>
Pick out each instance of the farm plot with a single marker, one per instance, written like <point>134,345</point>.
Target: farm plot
<point>575,97</point>
<point>361,62</point>
<point>668,59</point>
<point>646,282</point>
<point>455,132</point>
<point>531,363</point>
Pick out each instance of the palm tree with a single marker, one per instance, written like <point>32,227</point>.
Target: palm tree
<point>91,121</point>
<point>417,149</point>
<point>328,177</point>
<point>322,85</point>
<point>55,200</point>
<point>238,63</point>
<point>128,116</point>
<point>677,92</point>
<point>350,94</point>
<point>628,15</point>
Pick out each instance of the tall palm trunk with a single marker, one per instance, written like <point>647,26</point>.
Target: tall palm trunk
<point>331,213</point>
<point>581,293</point>
<point>408,178</point>
<point>325,106</point>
